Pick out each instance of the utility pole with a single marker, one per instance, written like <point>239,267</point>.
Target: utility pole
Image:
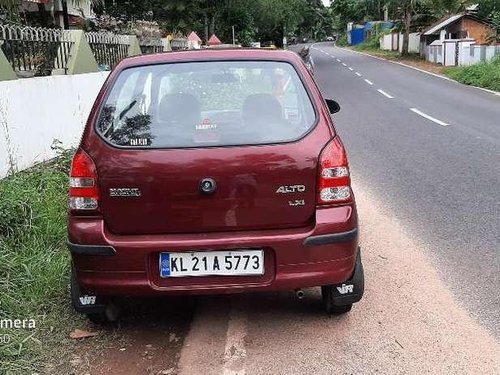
<point>65,14</point>
<point>234,40</point>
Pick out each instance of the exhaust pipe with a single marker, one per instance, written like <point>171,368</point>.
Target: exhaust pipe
<point>299,293</point>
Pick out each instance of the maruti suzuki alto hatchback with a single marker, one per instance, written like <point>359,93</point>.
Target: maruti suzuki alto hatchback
<point>211,172</point>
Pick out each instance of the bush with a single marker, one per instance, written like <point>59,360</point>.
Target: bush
<point>372,43</point>
<point>342,40</point>
<point>485,74</point>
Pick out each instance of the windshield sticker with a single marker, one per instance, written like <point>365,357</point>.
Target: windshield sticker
<point>140,142</point>
<point>206,125</point>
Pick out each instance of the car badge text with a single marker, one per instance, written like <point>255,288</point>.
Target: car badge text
<point>287,189</point>
<point>124,192</point>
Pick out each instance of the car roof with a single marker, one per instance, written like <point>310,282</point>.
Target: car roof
<point>210,54</point>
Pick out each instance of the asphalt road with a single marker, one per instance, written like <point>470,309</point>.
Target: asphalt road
<point>427,185</point>
<point>442,182</point>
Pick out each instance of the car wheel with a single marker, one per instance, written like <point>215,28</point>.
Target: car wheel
<point>330,308</point>
<point>108,316</point>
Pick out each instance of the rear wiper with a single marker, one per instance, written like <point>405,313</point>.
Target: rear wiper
<point>128,108</point>
<point>111,126</point>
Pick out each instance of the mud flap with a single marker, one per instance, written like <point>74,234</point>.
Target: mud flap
<point>83,302</point>
<point>352,290</point>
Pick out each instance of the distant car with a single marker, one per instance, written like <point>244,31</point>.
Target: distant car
<point>330,39</point>
<point>207,172</point>
<point>268,44</point>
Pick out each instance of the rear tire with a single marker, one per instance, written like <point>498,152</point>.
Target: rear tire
<point>330,308</point>
<point>108,316</point>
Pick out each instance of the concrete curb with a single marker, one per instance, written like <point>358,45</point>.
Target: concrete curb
<point>496,93</point>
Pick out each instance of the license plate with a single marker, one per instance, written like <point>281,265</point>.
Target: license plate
<point>207,263</point>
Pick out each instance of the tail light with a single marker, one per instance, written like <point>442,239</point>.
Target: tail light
<point>334,181</point>
<point>83,191</point>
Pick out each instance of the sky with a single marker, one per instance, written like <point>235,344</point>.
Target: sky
<point>326,3</point>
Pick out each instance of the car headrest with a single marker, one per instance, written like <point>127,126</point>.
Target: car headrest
<point>262,108</point>
<point>180,109</point>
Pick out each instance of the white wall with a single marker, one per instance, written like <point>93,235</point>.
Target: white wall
<point>386,42</point>
<point>468,53</point>
<point>413,43</point>
<point>35,111</point>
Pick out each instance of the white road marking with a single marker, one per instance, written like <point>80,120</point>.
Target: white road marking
<point>339,60</point>
<point>439,122</point>
<point>235,352</point>
<point>358,74</point>
<point>385,94</point>
<point>351,69</point>
<point>369,82</point>
<point>422,71</point>
<point>344,64</point>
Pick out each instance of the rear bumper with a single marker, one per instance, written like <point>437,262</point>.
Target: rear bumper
<point>109,264</point>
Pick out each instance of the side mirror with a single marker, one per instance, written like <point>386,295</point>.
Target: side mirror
<point>333,106</point>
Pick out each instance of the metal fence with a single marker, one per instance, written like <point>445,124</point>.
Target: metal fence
<point>151,45</point>
<point>108,48</point>
<point>179,44</point>
<point>35,51</point>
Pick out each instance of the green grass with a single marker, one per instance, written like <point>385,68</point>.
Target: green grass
<point>370,44</point>
<point>485,74</point>
<point>34,262</point>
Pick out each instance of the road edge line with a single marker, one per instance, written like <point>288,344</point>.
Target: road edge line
<point>493,92</point>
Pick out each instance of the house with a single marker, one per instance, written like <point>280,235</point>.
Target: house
<point>194,41</point>
<point>55,10</point>
<point>458,26</point>
<point>214,41</point>
<point>458,40</point>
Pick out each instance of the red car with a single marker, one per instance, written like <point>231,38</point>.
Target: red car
<point>214,171</point>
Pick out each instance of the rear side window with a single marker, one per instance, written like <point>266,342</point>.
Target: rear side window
<point>200,104</point>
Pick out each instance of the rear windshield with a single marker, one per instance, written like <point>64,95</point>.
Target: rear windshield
<point>200,104</point>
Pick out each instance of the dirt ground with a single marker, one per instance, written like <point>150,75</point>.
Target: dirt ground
<point>147,340</point>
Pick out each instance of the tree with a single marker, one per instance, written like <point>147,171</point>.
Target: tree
<point>440,8</point>
<point>345,11</point>
<point>490,10</point>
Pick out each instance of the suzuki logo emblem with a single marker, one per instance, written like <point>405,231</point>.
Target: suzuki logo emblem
<point>208,186</point>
